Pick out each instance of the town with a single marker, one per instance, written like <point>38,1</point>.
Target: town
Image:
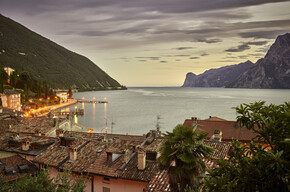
<point>37,137</point>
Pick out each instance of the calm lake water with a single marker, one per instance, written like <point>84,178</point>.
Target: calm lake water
<point>135,111</point>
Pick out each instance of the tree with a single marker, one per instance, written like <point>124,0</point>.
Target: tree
<point>182,153</point>
<point>253,167</point>
<point>270,122</point>
<point>43,183</point>
<point>3,79</point>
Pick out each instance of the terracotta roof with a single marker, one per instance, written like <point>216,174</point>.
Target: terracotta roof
<point>221,149</point>
<point>86,156</point>
<point>43,125</point>
<point>230,129</point>
<point>10,92</point>
<point>103,167</point>
<point>13,143</point>
<point>160,182</point>
<point>57,154</point>
<point>14,167</point>
<point>86,135</point>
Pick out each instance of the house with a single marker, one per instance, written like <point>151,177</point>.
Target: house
<point>8,117</point>
<point>62,96</point>
<point>43,126</point>
<point>13,167</point>
<point>160,181</point>
<point>110,162</point>
<point>218,128</point>
<point>26,146</point>
<point>11,99</point>
<point>8,70</point>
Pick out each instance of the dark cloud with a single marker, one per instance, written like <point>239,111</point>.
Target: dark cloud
<point>152,58</point>
<point>204,54</point>
<point>269,34</point>
<point>258,43</point>
<point>182,55</point>
<point>209,40</point>
<point>162,6</point>
<point>183,48</point>
<point>142,60</point>
<point>193,57</point>
<point>163,61</point>
<point>240,48</point>
<point>246,46</point>
<point>177,59</point>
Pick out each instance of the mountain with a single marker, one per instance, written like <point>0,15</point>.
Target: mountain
<point>25,50</point>
<point>271,72</point>
<point>220,77</point>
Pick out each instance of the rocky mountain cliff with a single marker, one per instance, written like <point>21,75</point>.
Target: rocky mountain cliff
<point>220,77</point>
<point>24,50</point>
<point>271,72</point>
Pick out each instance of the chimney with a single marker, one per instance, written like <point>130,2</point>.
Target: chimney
<point>71,122</point>
<point>56,123</point>
<point>37,132</point>
<point>193,121</point>
<point>141,159</point>
<point>127,155</point>
<point>217,135</point>
<point>59,132</point>
<point>72,153</point>
<point>25,145</point>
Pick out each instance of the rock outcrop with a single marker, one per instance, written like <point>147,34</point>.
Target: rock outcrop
<point>271,72</point>
<point>220,77</point>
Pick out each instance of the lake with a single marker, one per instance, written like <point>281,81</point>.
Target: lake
<point>135,111</point>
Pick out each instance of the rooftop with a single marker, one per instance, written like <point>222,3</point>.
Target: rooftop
<point>10,92</point>
<point>33,125</point>
<point>13,143</point>
<point>14,167</point>
<point>230,129</point>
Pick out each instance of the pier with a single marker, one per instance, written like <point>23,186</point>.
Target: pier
<point>77,112</point>
<point>87,101</point>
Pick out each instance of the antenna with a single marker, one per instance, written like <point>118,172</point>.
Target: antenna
<point>158,117</point>
<point>112,125</point>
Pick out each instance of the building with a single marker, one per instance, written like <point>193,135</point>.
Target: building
<point>62,96</point>
<point>13,167</point>
<point>110,162</point>
<point>26,146</point>
<point>160,181</point>
<point>8,70</point>
<point>11,99</point>
<point>43,126</point>
<point>218,128</point>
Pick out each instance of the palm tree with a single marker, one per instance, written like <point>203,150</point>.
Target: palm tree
<point>182,153</point>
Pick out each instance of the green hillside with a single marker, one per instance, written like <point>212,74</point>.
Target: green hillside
<point>24,50</point>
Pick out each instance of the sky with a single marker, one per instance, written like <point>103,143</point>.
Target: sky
<point>156,42</point>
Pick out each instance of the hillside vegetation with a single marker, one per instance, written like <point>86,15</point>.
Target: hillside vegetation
<point>24,50</point>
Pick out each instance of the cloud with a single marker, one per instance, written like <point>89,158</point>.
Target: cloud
<point>183,48</point>
<point>240,48</point>
<point>182,55</point>
<point>152,58</point>
<point>142,60</point>
<point>246,46</point>
<point>204,54</point>
<point>163,61</point>
<point>209,40</point>
<point>193,57</point>
<point>269,34</point>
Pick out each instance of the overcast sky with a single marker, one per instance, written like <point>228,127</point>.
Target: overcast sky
<point>156,42</point>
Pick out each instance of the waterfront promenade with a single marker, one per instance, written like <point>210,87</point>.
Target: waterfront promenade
<point>44,111</point>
